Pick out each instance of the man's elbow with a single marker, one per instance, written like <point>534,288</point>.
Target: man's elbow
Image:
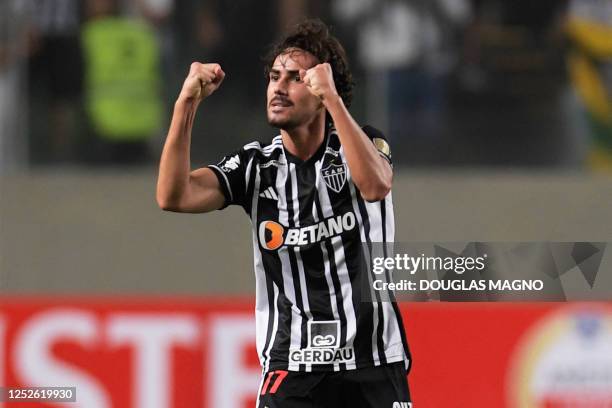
<point>377,191</point>
<point>167,204</point>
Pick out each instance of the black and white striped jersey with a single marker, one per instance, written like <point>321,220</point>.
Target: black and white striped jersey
<point>309,222</point>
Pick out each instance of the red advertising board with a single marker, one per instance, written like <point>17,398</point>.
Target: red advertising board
<point>200,352</point>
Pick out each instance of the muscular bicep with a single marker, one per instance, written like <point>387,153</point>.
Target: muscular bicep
<point>203,192</point>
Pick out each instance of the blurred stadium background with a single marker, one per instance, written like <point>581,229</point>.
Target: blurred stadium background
<point>499,115</point>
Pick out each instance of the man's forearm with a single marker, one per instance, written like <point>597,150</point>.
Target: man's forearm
<point>370,173</point>
<point>175,164</point>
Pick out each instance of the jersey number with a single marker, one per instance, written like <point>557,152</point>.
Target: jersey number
<point>270,385</point>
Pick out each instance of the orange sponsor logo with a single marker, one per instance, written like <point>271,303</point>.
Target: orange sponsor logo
<point>271,235</point>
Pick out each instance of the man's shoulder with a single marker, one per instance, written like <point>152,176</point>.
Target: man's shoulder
<point>259,149</point>
<point>373,132</point>
<point>370,131</point>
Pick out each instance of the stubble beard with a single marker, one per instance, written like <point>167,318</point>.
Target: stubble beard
<point>291,122</point>
<point>286,123</point>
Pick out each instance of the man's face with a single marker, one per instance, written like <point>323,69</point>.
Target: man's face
<point>290,104</point>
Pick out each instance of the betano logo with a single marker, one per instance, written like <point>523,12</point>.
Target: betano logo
<point>273,235</point>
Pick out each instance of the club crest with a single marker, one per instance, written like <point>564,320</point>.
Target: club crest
<point>334,176</point>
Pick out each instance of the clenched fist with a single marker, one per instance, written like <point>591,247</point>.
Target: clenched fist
<point>203,80</point>
<point>320,81</point>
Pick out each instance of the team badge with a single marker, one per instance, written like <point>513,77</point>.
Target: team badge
<point>334,176</point>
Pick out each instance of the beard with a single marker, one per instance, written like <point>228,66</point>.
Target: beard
<point>294,119</point>
<point>284,123</point>
<point>287,121</point>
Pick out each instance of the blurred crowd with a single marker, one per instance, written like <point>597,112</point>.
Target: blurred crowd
<point>451,82</point>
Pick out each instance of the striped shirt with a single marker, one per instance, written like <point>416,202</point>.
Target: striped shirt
<point>309,222</point>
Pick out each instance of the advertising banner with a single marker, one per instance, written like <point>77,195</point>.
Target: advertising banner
<point>158,352</point>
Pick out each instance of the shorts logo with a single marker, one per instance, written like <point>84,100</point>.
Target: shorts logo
<point>334,176</point>
<point>402,405</point>
<point>273,235</point>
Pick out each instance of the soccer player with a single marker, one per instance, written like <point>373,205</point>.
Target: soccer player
<point>314,194</point>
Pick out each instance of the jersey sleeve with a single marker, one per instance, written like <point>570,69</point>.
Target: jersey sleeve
<point>380,142</point>
<point>231,172</point>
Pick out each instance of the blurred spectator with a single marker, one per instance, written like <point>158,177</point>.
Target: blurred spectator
<point>409,49</point>
<point>507,56</point>
<point>589,27</point>
<point>13,44</point>
<point>158,14</point>
<point>122,87</point>
<point>511,73</point>
<point>55,79</point>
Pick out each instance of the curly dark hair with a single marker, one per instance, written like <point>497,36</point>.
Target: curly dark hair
<point>314,36</point>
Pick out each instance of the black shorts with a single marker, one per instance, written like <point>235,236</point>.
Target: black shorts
<point>384,386</point>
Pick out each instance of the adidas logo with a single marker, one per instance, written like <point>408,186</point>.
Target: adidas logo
<point>269,193</point>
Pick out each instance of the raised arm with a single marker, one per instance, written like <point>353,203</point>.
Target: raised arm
<point>178,188</point>
<point>371,173</point>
